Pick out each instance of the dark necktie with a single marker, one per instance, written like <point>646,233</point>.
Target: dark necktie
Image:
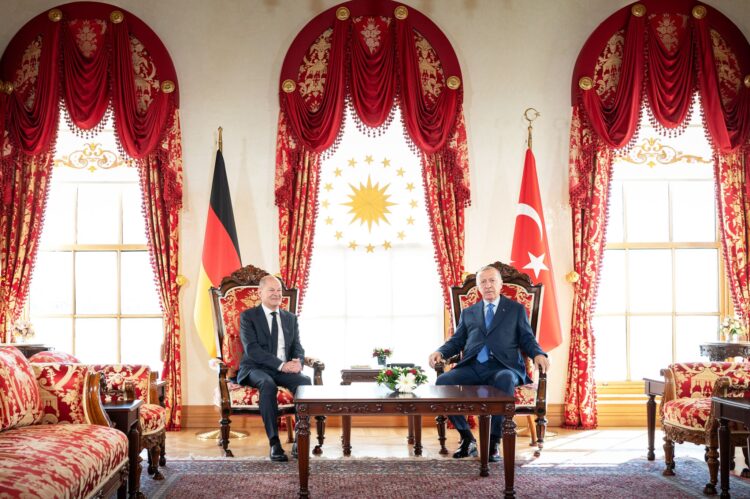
<point>484,353</point>
<point>274,334</point>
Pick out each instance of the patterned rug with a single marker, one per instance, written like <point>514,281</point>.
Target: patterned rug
<point>433,478</point>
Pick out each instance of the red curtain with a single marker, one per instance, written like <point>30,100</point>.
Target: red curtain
<point>372,55</point>
<point>92,57</point>
<point>657,54</point>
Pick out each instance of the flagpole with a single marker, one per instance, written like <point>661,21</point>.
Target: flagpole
<point>530,120</point>
<point>221,141</point>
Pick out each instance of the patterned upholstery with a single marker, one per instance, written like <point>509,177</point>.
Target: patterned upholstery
<point>53,357</point>
<point>526,394</point>
<point>62,460</point>
<point>20,401</point>
<point>688,413</point>
<point>62,388</point>
<point>696,379</point>
<point>115,376</point>
<point>153,418</point>
<point>245,397</point>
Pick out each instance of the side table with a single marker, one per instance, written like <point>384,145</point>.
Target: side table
<point>125,417</point>
<point>28,349</point>
<point>719,351</point>
<point>653,387</point>
<point>726,409</point>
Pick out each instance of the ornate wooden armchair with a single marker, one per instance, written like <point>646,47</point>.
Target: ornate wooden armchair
<point>237,293</point>
<point>687,415</point>
<point>531,399</point>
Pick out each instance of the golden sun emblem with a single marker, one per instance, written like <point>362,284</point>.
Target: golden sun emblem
<point>369,203</point>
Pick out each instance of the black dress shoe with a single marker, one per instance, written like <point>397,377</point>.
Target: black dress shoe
<point>278,454</point>
<point>468,448</point>
<point>294,450</point>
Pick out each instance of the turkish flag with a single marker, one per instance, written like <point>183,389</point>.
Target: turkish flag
<point>530,253</point>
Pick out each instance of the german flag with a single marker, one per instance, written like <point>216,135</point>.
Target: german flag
<point>221,253</point>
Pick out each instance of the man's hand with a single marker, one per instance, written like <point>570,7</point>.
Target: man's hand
<point>435,357</point>
<point>293,366</point>
<point>542,363</point>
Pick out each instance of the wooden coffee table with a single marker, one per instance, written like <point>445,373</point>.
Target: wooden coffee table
<point>725,410</point>
<point>368,399</point>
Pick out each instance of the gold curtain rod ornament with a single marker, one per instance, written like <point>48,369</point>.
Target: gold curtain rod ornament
<point>531,120</point>
<point>221,141</point>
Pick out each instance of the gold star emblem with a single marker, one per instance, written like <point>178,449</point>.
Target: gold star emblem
<point>387,245</point>
<point>339,235</point>
<point>401,235</point>
<point>386,162</point>
<point>329,221</point>
<point>325,204</point>
<point>410,220</point>
<point>353,245</point>
<point>410,186</point>
<point>412,203</point>
<point>329,187</point>
<point>400,172</point>
<point>337,172</point>
<point>352,162</point>
<point>369,203</point>
<point>368,159</point>
<point>370,248</point>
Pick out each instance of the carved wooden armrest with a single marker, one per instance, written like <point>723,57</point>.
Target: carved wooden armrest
<point>153,395</point>
<point>723,387</point>
<point>440,365</point>
<point>540,407</point>
<point>127,392</point>
<point>318,367</point>
<point>93,400</point>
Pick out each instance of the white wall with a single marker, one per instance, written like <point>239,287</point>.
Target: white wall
<point>514,54</point>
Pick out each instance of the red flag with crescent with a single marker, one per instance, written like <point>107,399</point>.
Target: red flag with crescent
<point>531,256</point>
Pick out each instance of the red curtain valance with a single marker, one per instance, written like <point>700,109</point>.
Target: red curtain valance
<point>370,55</point>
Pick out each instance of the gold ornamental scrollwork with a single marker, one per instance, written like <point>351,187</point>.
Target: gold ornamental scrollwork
<point>638,10</point>
<point>181,280</point>
<point>747,81</point>
<point>55,15</point>
<point>572,277</point>
<point>288,86</point>
<point>699,11</point>
<point>586,83</point>
<point>167,86</point>
<point>453,82</point>
<point>92,157</point>
<point>116,16</point>
<point>651,152</point>
<point>342,13</point>
<point>401,12</point>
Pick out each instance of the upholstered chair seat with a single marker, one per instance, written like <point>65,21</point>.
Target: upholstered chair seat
<point>246,397</point>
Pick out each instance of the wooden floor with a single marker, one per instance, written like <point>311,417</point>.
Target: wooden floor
<point>602,446</point>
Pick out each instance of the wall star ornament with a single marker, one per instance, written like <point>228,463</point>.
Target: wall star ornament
<point>369,203</point>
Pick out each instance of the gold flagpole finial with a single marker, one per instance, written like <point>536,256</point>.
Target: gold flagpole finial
<point>221,140</point>
<point>534,116</point>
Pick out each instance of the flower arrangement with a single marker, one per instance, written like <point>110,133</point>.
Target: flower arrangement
<point>382,352</point>
<point>23,331</point>
<point>402,379</point>
<point>732,330</point>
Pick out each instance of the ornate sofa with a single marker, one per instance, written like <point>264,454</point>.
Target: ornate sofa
<point>55,439</point>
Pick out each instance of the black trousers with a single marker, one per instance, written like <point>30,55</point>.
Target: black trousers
<point>267,383</point>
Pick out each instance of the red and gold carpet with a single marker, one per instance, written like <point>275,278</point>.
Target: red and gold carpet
<point>433,478</point>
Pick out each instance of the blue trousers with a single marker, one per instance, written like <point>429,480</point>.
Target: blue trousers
<point>267,382</point>
<point>474,373</point>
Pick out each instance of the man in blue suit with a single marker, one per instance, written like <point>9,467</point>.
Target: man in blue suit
<point>492,334</point>
<point>273,357</point>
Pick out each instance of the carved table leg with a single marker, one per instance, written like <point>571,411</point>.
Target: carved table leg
<point>440,420</point>
<point>346,435</point>
<point>303,451</point>
<point>417,424</point>
<point>509,451</point>
<point>410,436</point>
<point>484,444</point>
<point>134,448</point>
<point>712,455</point>
<point>668,457</point>
<point>320,424</point>
<point>746,470</point>
<point>651,423</point>
<point>724,456</point>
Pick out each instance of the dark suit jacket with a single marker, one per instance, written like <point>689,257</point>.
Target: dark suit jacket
<point>508,336</point>
<point>260,349</point>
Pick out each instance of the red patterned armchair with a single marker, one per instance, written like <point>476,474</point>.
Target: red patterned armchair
<point>686,413</point>
<point>530,399</point>
<point>237,293</point>
<point>55,440</point>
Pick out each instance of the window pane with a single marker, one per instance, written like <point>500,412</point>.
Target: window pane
<point>691,332</point>
<point>98,214</point>
<point>650,345</point>
<point>57,333</point>
<point>611,295</point>
<point>423,298</point>
<point>615,232</point>
<point>611,359</point>
<point>141,341</point>
<point>650,284</point>
<point>693,212</point>
<point>96,341</point>
<point>138,287</point>
<point>646,201</point>
<point>326,277</point>
<point>96,282</point>
<point>697,280</point>
<point>52,286</point>
<point>59,216</point>
<point>133,224</point>
<point>369,287</point>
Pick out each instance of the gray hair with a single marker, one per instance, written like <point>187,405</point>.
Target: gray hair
<point>266,279</point>
<point>489,267</point>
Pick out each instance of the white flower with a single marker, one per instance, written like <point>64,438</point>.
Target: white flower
<point>406,382</point>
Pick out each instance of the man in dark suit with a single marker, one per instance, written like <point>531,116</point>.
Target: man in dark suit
<point>273,357</point>
<point>492,334</point>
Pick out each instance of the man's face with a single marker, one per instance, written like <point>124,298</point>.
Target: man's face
<point>270,294</point>
<point>489,283</point>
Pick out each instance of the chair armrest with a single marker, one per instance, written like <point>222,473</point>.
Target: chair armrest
<point>93,401</point>
<point>440,366</point>
<point>541,396</point>
<point>318,367</point>
<point>226,404</point>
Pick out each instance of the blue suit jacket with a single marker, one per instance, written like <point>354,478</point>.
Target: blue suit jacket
<point>508,336</point>
<point>260,349</point>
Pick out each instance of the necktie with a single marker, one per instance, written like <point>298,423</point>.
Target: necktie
<point>484,353</point>
<point>274,334</point>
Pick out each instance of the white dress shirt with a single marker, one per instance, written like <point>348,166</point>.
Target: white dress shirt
<point>281,351</point>
<point>494,309</point>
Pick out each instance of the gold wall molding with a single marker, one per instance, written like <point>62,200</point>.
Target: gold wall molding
<point>92,157</point>
<point>652,152</point>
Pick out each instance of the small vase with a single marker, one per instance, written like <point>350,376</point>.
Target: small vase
<point>381,360</point>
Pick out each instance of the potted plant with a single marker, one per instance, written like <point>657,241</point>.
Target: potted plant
<point>382,354</point>
<point>402,379</point>
<point>732,330</point>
